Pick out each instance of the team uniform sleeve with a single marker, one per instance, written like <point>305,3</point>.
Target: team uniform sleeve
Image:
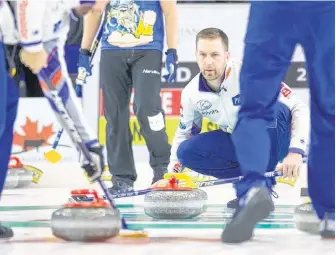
<point>300,119</point>
<point>30,17</point>
<point>190,124</point>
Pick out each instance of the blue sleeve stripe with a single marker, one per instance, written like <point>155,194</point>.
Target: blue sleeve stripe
<point>90,143</point>
<point>296,150</point>
<point>91,2</point>
<point>30,44</point>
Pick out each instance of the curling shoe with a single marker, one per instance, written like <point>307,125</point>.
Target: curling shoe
<point>120,186</point>
<point>327,226</point>
<point>254,206</point>
<point>5,232</point>
<point>158,175</point>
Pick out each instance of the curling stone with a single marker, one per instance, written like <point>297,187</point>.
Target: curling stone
<point>20,176</point>
<point>306,219</point>
<point>12,179</point>
<point>92,221</point>
<point>173,199</point>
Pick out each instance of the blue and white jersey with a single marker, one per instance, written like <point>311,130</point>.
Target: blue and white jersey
<point>44,20</point>
<point>198,101</point>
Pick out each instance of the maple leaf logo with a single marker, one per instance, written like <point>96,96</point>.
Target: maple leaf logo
<point>31,137</point>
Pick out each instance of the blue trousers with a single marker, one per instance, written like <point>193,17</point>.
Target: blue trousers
<point>213,153</point>
<point>273,31</point>
<point>9,96</point>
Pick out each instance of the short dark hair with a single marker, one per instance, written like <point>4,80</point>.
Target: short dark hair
<point>213,33</point>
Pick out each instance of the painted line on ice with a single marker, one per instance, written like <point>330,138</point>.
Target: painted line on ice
<point>120,206</point>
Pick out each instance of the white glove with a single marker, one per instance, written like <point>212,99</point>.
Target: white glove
<point>94,170</point>
<point>175,167</point>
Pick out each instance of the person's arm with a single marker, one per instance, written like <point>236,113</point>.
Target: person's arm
<point>169,9</point>
<point>30,17</point>
<point>300,119</point>
<point>190,123</point>
<point>91,25</point>
<point>299,132</point>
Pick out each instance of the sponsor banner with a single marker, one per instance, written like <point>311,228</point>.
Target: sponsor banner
<point>171,105</point>
<point>171,99</point>
<point>172,123</point>
<point>296,76</point>
<point>35,131</point>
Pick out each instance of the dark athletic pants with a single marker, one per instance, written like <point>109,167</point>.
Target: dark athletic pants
<point>213,153</point>
<point>120,71</point>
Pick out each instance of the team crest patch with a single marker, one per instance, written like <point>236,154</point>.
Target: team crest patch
<point>236,100</point>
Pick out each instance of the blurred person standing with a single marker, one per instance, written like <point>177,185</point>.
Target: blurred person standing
<point>131,58</point>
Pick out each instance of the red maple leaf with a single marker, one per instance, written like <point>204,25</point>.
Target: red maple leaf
<point>31,137</point>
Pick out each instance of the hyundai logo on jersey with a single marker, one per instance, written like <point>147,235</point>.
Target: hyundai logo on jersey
<point>210,112</point>
<point>203,105</point>
<point>236,100</point>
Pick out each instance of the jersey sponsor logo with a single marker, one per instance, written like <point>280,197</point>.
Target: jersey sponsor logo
<point>203,105</point>
<point>182,125</point>
<point>236,100</point>
<point>151,71</point>
<point>210,112</point>
<point>285,91</point>
<point>23,19</point>
<point>57,25</point>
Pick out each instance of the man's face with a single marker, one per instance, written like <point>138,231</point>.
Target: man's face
<point>211,57</point>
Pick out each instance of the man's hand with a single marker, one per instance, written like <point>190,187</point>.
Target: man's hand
<point>95,170</point>
<point>34,60</point>
<point>291,165</point>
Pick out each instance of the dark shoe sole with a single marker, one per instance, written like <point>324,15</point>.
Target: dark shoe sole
<point>241,227</point>
<point>328,235</point>
<point>327,228</point>
<point>119,191</point>
<point>7,234</point>
<point>235,205</point>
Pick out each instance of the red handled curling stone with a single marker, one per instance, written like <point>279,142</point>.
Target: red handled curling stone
<point>92,221</point>
<point>169,200</point>
<point>18,176</point>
